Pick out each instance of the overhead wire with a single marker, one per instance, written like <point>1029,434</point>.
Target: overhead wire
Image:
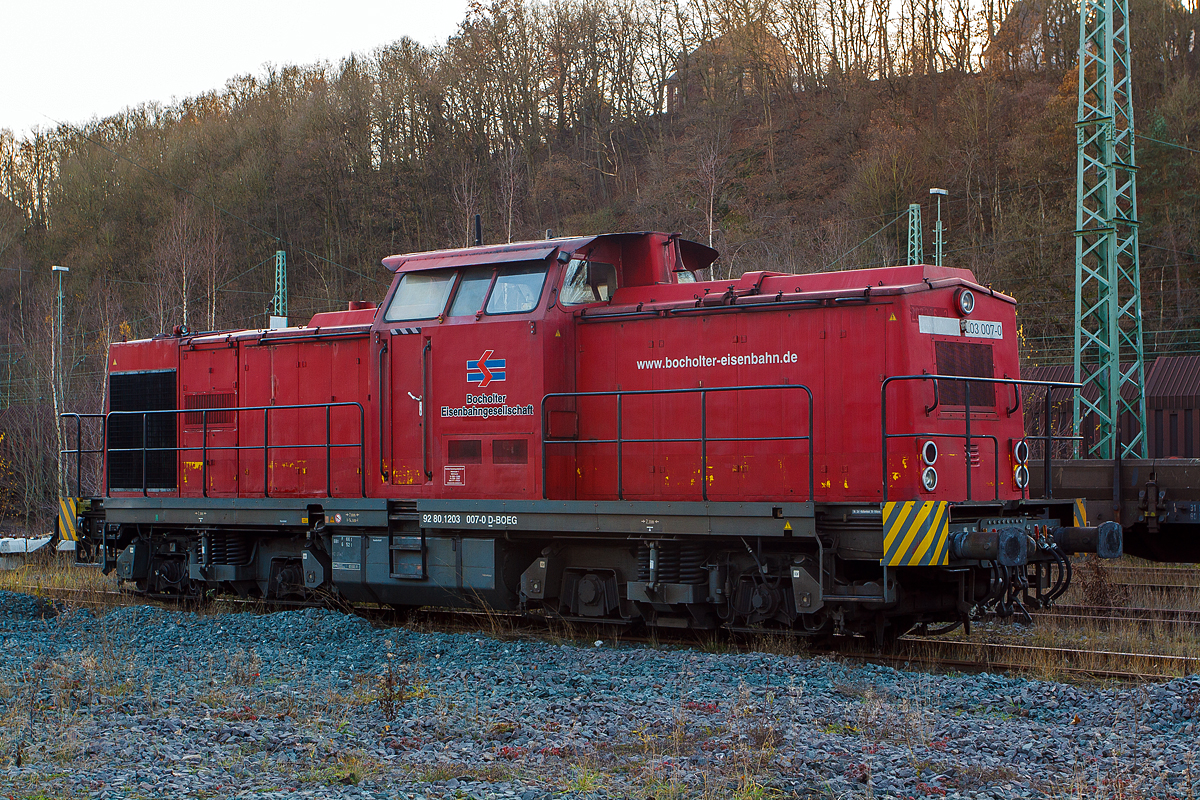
<point>864,241</point>
<point>1168,144</point>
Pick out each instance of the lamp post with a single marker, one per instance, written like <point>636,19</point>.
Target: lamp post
<point>937,228</point>
<point>58,370</point>
<point>58,367</point>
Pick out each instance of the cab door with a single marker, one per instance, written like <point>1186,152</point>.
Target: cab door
<point>403,339</point>
<point>406,457</point>
<point>488,404</point>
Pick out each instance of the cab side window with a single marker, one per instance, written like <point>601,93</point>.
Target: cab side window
<point>471,291</point>
<point>420,295</point>
<point>588,282</point>
<point>517,290</point>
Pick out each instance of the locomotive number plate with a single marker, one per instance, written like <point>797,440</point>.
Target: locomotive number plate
<point>982,329</point>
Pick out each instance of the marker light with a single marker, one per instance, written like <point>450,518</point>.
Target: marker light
<point>929,453</point>
<point>1020,451</point>
<point>965,299</point>
<point>929,478</point>
<point>1021,476</point>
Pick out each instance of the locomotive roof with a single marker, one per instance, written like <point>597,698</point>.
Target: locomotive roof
<point>750,289</point>
<point>902,279</point>
<point>697,255</point>
<point>759,288</point>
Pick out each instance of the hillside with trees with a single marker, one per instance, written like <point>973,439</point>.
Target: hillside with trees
<point>791,134</point>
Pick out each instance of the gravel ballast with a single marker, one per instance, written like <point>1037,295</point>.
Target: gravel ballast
<point>142,702</point>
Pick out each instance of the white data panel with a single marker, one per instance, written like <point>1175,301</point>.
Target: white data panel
<point>940,326</point>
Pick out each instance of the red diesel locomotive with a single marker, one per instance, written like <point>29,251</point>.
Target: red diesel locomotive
<point>579,426</point>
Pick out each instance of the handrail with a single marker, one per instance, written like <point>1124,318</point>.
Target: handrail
<point>379,389</point>
<point>423,407</point>
<point>266,446</point>
<point>703,439</point>
<point>79,452</point>
<point>967,380</point>
<point>382,395</point>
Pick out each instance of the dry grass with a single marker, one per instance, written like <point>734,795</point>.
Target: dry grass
<point>1126,583</point>
<point>740,737</point>
<point>1100,644</point>
<point>51,571</point>
<point>1069,650</point>
<point>77,586</point>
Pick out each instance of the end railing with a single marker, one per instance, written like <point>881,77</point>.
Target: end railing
<point>1047,436</point>
<point>205,448</point>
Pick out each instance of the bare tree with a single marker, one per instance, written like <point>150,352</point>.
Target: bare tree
<point>512,182</point>
<point>177,261</point>
<point>213,262</point>
<point>466,192</point>
<point>711,173</point>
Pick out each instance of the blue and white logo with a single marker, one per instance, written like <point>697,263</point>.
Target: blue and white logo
<point>485,369</point>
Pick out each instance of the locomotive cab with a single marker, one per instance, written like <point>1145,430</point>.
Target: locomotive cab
<point>469,341</point>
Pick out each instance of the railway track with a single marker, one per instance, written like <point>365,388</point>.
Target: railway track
<point>1180,616</point>
<point>977,656</point>
<point>1163,588</point>
<point>940,654</point>
<point>1150,577</point>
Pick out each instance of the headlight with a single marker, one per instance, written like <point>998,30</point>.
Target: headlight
<point>965,300</point>
<point>929,478</point>
<point>1020,451</point>
<point>929,453</point>
<point>1021,476</point>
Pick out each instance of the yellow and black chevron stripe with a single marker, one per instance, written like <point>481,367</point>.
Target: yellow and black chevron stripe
<point>1080,520</point>
<point>68,511</point>
<point>916,534</point>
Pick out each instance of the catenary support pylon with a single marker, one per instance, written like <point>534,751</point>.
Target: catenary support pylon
<point>916,247</point>
<point>279,310</point>
<point>1108,299</point>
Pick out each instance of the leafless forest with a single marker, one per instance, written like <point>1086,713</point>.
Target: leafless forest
<point>786,132</point>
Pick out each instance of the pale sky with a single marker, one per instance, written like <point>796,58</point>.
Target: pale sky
<point>72,60</point>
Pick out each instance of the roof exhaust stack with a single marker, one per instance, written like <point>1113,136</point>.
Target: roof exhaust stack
<point>478,230</point>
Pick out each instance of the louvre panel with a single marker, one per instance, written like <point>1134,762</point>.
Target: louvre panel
<point>142,391</point>
<point>961,358</point>
<point>510,451</point>
<point>464,451</point>
<point>225,400</point>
